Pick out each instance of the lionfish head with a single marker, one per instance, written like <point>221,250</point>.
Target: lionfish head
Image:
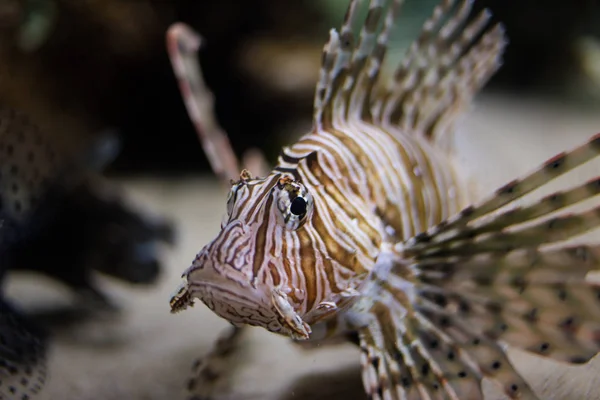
<point>241,275</point>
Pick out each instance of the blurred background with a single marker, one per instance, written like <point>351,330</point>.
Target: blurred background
<point>94,78</point>
<point>81,66</point>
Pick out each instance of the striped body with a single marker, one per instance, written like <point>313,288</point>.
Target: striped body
<point>371,170</point>
<point>404,180</point>
<point>369,188</point>
<point>363,227</point>
<point>374,187</point>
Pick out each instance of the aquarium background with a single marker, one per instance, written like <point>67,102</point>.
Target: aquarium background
<point>83,68</point>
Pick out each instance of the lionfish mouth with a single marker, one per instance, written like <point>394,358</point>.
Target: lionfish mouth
<point>289,323</point>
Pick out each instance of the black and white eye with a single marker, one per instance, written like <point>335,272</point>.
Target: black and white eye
<point>294,203</point>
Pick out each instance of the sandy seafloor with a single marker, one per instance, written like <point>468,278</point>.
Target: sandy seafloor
<point>147,354</point>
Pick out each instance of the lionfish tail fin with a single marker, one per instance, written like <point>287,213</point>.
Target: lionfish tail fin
<point>350,67</point>
<point>498,273</point>
<point>452,59</point>
<point>22,356</point>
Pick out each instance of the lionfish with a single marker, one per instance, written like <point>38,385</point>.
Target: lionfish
<point>363,229</point>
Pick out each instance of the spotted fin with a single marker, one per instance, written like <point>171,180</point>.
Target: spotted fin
<point>349,70</point>
<point>409,357</point>
<point>497,211</point>
<point>497,273</point>
<point>22,356</point>
<point>442,71</point>
<point>452,59</point>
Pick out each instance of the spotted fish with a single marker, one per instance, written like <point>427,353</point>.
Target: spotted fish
<point>29,171</point>
<point>22,355</point>
<point>59,218</point>
<point>364,228</point>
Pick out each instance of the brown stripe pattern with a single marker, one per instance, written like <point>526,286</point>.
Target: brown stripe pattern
<point>308,233</point>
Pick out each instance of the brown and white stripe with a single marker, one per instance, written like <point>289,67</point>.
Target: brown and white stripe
<point>370,165</point>
<point>358,228</point>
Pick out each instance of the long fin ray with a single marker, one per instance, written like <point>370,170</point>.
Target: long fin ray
<point>442,71</point>
<point>538,300</point>
<point>520,215</point>
<point>497,274</point>
<point>414,356</point>
<point>334,67</point>
<point>421,56</point>
<point>557,229</point>
<point>368,57</point>
<point>558,263</point>
<point>514,190</point>
<point>477,348</point>
<point>349,70</point>
<point>536,321</point>
<point>439,105</point>
<point>438,78</point>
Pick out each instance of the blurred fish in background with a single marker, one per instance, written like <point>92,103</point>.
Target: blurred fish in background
<point>22,355</point>
<point>62,219</point>
<point>71,221</point>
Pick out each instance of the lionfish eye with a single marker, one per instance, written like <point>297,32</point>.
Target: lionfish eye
<point>298,206</point>
<point>294,203</point>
